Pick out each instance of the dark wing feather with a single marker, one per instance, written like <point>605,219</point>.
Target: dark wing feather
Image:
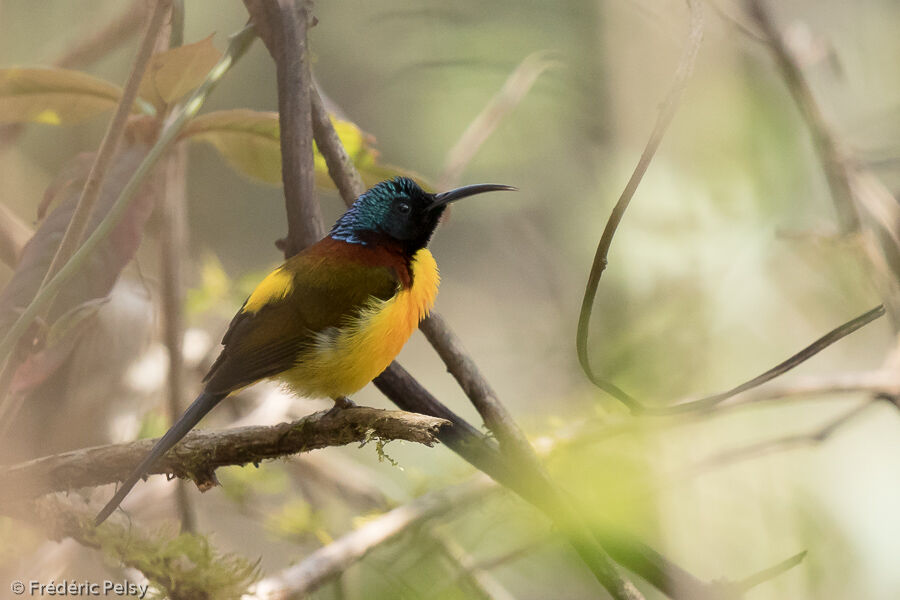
<point>326,294</point>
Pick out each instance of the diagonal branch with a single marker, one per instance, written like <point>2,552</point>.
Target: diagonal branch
<point>330,561</point>
<point>817,346</point>
<point>202,452</point>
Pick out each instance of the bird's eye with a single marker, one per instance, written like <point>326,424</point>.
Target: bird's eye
<point>403,208</point>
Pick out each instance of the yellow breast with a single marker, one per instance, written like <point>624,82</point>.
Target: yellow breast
<point>345,360</point>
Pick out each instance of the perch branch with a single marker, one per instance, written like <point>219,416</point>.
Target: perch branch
<point>202,452</point>
<point>666,113</point>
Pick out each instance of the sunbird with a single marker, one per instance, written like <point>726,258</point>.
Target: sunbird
<point>333,317</point>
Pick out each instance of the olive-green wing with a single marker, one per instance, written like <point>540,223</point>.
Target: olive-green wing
<point>270,340</point>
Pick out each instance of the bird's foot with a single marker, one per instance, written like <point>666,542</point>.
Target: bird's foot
<point>341,403</point>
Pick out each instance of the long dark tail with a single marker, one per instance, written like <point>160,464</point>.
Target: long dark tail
<point>196,411</point>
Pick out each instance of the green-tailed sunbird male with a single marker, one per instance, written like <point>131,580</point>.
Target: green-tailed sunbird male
<point>333,317</point>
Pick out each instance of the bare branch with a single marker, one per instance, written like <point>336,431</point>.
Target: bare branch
<point>479,391</point>
<point>282,26</point>
<point>200,453</point>
<point>327,562</point>
<point>667,111</point>
<point>748,583</point>
<point>881,382</point>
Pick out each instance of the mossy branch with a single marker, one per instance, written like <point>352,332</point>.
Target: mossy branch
<point>200,453</point>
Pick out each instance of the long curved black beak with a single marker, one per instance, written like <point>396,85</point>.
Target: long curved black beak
<point>445,198</point>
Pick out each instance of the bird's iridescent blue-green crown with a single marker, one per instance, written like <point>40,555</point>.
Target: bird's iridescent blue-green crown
<point>399,213</point>
<point>378,209</point>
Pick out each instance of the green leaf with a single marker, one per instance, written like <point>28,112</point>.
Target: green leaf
<point>53,96</point>
<point>250,142</point>
<point>173,73</point>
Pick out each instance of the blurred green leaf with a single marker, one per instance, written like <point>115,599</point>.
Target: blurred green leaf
<point>213,290</point>
<point>243,484</point>
<point>250,142</point>
<point>295,520</point>
<point>53,96</point>
<point>173,73</point>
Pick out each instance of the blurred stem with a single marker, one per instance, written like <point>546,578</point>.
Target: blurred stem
<point>173,249</point>
<point>239,44</point>
<point>114,132</point>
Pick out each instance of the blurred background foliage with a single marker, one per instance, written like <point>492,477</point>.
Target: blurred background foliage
<point>725,264</point>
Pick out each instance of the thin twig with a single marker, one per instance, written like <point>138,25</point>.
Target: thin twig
<point>239,44</point>
<point>173,248</point>
<point>666,112</point>
<point>783,367</point>
<point>748,583</point>
<point>483,125</point>
<point>201,452</point>
<point>282,26</point>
